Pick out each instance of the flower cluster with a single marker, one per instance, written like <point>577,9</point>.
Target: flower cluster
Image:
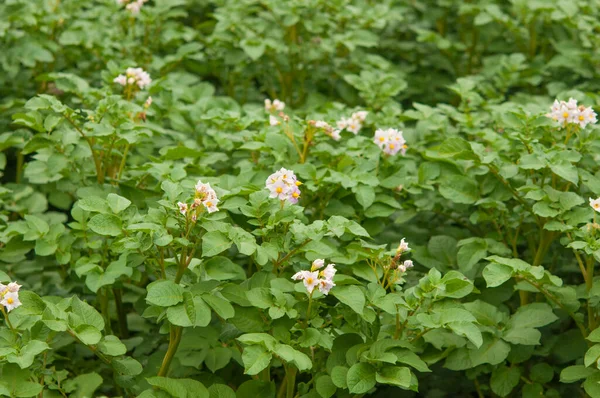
<point>204,196</point>
<point>323,280</point>
<point>283,185</point>
<point>330,131</point>
<point>402,248</point>
<point>134,76</point>
<point>391,141</point>
<point>570,113</point>
<point>274,106</point>
<point>133,6</point>
<point>354,123</point>
<point>9,295</point>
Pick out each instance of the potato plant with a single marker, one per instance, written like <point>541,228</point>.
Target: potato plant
<point>299,199</point>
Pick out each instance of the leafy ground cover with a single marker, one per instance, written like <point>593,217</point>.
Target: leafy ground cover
<point>301,198</point>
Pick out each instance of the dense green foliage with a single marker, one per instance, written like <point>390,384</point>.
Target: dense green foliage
<point>133,284</point>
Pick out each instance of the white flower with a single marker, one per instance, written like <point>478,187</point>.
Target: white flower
<point>273,121</point>
<point>298,276</point>
<point>206,196</point>
<point>211,204</point>
<point>148,102</point>
<point>391,141</point>
<point>570,113</point>
<point>274,106</point>
<point>343,123</point>
<point>10,301</point>
<point>595,203</point>
<point>329,272</point>
<point>3,289</point>
<point>325,286</point>
<point>311,280</point>
<point>320,124</point>
<point>335,134</point>
<point>403,246</point>
<point>317,264</point>
<point>13,287</point>
<point>283,185</point>
<point>121,79</point>
<point>354,126</point>
<point>183,207</point>
<point>134,76</point>
<point>360,115</point>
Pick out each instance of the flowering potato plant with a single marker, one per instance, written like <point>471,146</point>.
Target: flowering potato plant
<point>299,199</point>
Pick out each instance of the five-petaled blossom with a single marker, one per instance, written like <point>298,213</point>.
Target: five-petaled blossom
<point>9,295</point>
<point>595,203</point>
<point>283,185</point>
<point>274,106</point>
<point>322,280</point>
<point>354,123</point>
<point>134,77</point>
<point>570,113</point>
<point>391,141</point>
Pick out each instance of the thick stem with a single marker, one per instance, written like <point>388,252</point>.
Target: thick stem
<point>20,161</point>
<point>174,340</point>
<point>105,311</point>
<point>123,329</point>
<point>290,375</point>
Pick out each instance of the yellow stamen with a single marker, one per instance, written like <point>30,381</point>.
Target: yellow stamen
<point>309,281</point>
<point>295,194</point>
<point>566,115</point>
<point>404,146</point>
<point>279,190</point>
<point>581,117</point>
<point>298,183</point>
<point>208,204</point>
<point>381,139</point>
<point>392,146</point>
<point>10,300</point>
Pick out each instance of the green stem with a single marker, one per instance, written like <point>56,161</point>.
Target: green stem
<point>308,309</point>
<point>290,375</point>
<point>123,329</point>
<point>174,340</point>
<point>105,311</point>
<point>6,318</point>
<point>122,165</point>
<point>20,161</point>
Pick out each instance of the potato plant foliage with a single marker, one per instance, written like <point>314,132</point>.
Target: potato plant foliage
<point>299,198</point>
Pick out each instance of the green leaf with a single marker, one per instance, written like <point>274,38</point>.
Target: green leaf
<point>533,316</point>
<point>28,353</point>
<point>255,359</point>
<point>254,47</point>
<point>255,389</point>
<point>111,345</point>
<point>85,314</point>
<point>361,378</point>
<point>179,388</point>
<point>394,375</point>
<point>220,391</point>
<point>127,366</point>
<point>504,380</point>
<point>93,204</point>
<point>325,386</point>
<point>496,274</point>
<point>84,385</point>
<point>105,224</point>
<point>351,295</point>
<point>460,189</point>
<point>338,376</point>
<point>117,203</point>
<point>576,372</point>
<point>221,306</point>
<point>164,293</point>
<point>213,243</point>
<point>88,334</point>
<point>222,268</point>
<point>288,354</point>
<point>365,195</point>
